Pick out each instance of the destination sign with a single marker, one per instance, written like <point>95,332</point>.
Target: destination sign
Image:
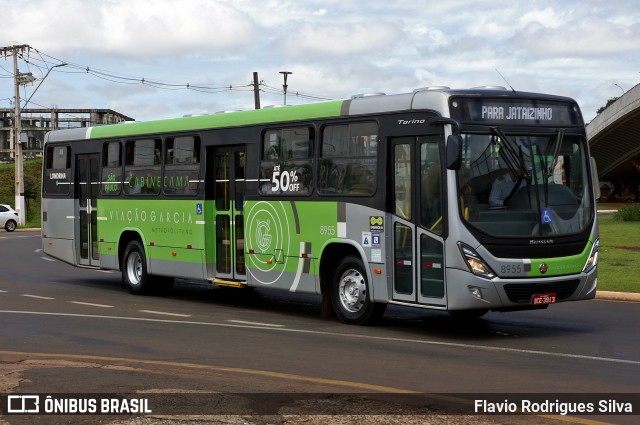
<point>515,112</point>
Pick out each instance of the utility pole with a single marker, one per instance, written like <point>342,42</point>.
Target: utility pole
<point>256,90</point>
<point>17,125</point>
<point>284,86</point>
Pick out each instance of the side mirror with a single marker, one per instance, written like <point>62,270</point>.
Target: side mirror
<point>595,179</point>
<point>454,152</point>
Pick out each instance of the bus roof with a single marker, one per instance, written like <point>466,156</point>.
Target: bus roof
<point>420,99</point>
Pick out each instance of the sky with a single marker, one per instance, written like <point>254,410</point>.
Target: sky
<point>156,59</point>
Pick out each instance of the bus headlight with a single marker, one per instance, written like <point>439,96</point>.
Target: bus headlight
<point>475,263</point>
<point>592,261</point>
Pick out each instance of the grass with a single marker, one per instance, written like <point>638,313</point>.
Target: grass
<point>619,257</point>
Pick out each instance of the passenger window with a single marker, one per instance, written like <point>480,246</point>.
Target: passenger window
<point>57,176</point>
<point>348,159</point>
<point>142,167</point>
<point>111,169</point>
<point>182,166</point>
<point>286,166</point>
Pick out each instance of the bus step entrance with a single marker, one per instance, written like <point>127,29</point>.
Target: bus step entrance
<point>229,283</point>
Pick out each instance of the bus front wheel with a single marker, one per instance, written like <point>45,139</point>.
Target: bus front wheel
<point>350,294</point>
<point>134,269</point>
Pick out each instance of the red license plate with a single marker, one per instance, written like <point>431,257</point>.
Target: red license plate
<point>542,299</point>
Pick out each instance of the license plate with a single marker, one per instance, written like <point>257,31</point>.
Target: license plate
<point>542,299</point>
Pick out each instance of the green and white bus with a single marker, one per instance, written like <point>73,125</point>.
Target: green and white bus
<point>375,200</point>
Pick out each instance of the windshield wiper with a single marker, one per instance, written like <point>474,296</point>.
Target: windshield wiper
<point>555,148</point>
<point>510,155</point>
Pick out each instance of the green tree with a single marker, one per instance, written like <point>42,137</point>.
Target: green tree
<point>609,102</point>
<point>31,193</point>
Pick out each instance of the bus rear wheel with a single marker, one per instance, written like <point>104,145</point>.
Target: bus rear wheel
<point>134,269</point>
<point>350,294</point>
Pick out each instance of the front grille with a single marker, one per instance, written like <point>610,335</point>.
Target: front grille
<point>525,250</point>
<point>522,292</point>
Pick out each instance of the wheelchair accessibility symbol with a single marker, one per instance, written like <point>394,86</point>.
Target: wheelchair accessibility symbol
<point>547,216</point>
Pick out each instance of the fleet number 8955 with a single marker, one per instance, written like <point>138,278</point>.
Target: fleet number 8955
<point>328,230</point>
<point>511,269</point>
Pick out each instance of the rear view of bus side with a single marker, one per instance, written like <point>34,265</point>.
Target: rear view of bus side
<point>464,201</point>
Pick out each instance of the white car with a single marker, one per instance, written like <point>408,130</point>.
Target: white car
<point>8,218</point>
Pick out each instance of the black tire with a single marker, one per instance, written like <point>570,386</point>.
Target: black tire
<point>350,294</point>
<point>10,226</point>
<point>134,269</point>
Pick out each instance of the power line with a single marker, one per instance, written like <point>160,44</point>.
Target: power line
<point>44,62</point>
<point>128,79</point>
<point>275,90</point>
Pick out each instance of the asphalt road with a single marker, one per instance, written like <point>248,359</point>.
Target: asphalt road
<point>72,330</point>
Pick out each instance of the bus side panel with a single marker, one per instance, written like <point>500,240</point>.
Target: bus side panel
<point>285,241</point>
<point>171,231</point>
<point>177,262</point>
<point>58,229</point>
<point>281,244</point>
<point>371,229</point>
<point>108,255</point>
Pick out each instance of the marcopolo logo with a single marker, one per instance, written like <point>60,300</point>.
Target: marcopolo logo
<point>543,268</point>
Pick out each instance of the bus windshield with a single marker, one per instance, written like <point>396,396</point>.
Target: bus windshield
<point>521,185</point>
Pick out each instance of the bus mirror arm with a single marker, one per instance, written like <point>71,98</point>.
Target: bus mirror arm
<point>455,125</point>
<point>454,142</point>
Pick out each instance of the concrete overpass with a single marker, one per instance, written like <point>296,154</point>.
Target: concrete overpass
<point>614,139</point>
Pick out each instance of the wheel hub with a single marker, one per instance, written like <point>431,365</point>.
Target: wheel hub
<point>352,290</point>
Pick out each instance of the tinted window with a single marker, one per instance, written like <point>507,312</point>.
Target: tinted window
<point>57,175</point>
<point>111,168</point>
<point>182,165</point>
<point>348,159</point>
<point>142,167</point>
<point>287,161</point>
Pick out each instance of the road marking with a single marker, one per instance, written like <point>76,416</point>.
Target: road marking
<point>91,304</point>
<point>38,250</point>
<point>165,313</point>
<point>280,375</point>
<point>48,259</point>
<point>256,323</point>
<point>339,335</point>
<point>36,296</point>
<point>2,290</point>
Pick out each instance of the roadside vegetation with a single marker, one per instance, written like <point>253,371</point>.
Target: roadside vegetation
<point>628,213</point>
<point>32,184</point>
<point>619,257</point>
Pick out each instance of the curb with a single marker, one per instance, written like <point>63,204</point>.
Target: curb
<point>618,296</point>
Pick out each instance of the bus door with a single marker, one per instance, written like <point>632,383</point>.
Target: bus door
<point>88,185</point>
<point>418,210</point>
<point>229,175</point>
